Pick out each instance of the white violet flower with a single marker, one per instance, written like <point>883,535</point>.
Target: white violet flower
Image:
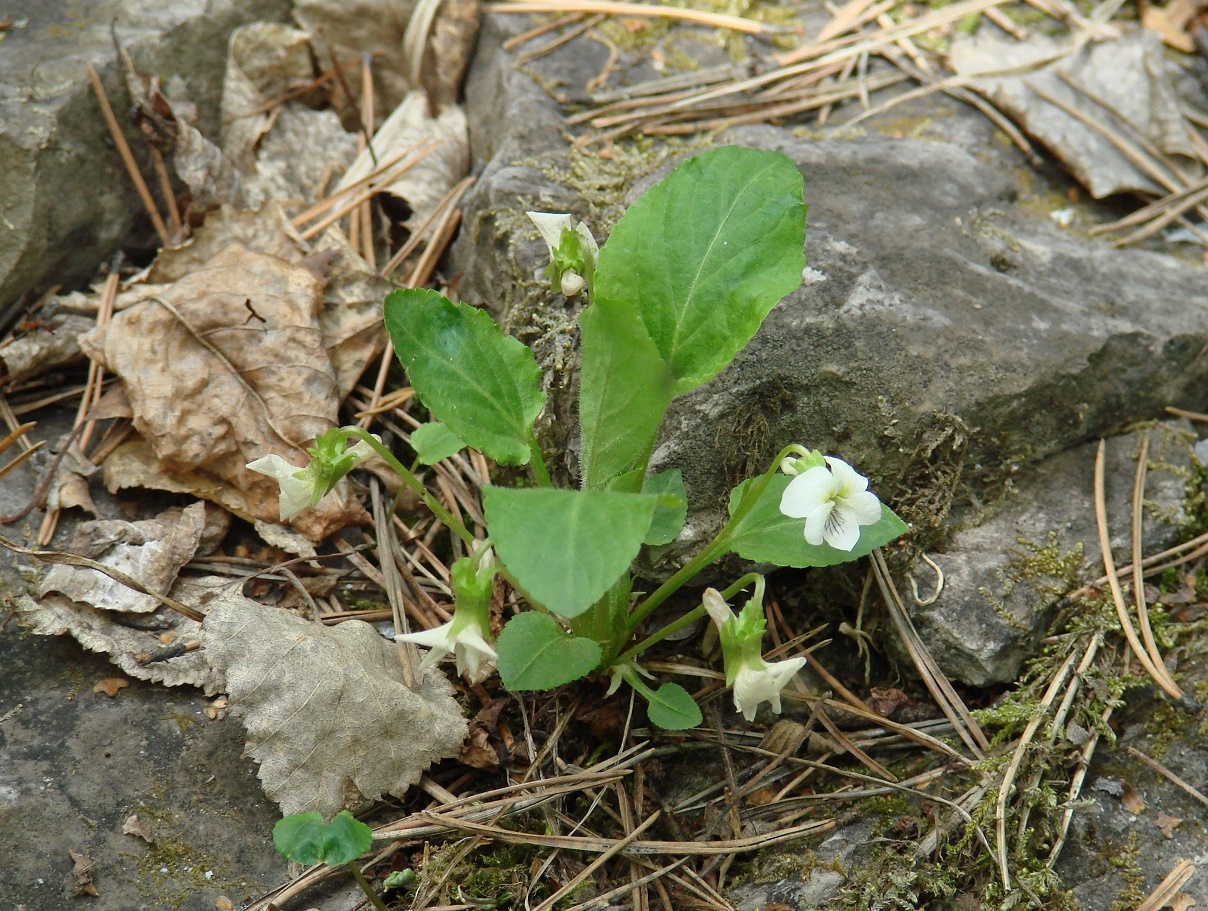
<point>463,638</point>
<point>758,681</point>
<point>572,258</point>
<point>752,679</point>
<point>834,501</point>
<point>303,487</point>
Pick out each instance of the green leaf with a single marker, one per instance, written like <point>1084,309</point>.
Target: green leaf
<point>766,535</point>
<point>705,254</point>
<point>672,508</point>
<point>306,839</point>
<point>673,709</point>
<point>435,441</point>
<point>535,653</point>
<point>482,384</point>
<point>566,547</point>
<point>624,389</point>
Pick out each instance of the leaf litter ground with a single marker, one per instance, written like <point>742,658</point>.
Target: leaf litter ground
<point>566,799</point>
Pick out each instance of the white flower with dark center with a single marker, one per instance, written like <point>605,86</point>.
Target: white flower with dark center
<point>834,501</point>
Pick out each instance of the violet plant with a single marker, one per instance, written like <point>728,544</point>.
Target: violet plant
<point>682,284</point>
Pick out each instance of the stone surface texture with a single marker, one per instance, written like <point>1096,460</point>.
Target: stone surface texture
<point>1003,575</point>
<point>66,202</point>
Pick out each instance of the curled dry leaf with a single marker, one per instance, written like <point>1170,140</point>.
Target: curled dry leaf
<point>328,716</point>
<point>426,184</point>
<point>52,343</point>
<point>1168,824</point>
<point>1132,801</point>
<point>79,880</point>
<point>152,551</point>
<point>139,828</point>
<point>227,365</point>
<point>447,50</point>
<point>126,639</point>
<point>349,28</point>
<point>69,486</point>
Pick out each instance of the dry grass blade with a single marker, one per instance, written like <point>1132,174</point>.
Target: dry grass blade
<point>1138,507</point>
<point>123,148</point>
<point>937,684</point>
<point>632,848</point>
<point>1113,581</point>
<point>1008,778</point>
<point>619,8</point>
<point>1168,887</point>
<point>582,875</point>
<point>6,443</point>
<point>1169,775</point>
<point>1158,214</point>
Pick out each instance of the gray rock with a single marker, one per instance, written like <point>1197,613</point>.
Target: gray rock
<point>1003,576</point>
<point>817,877</point>
<point>65,199</point>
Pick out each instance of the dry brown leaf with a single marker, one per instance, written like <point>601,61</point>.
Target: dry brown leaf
<point>70,484</point>
<point>1168,824</point>
<point>210,176</point>
<point>328,716</point>
<point>426,184</point>
<point>139,828</point>
<point>350,28</point>
<point>1131,799</point>
<point>448,49</point>
<point>110,686</point>
<point>225,366</point>
<point>152,551</point>
<point>264,61</point>
<point>1180,901</point>
<point>266,230</point>
<point>49,343</point>
<point>124,643</point>
<point>293,158</point>
<point>79,880</point>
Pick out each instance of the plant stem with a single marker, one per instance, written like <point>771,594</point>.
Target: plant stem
<point>691,617</point>
<point>453,523</point>
<point>714,550</point>
<point>374,898</point>
<point>537,462</point>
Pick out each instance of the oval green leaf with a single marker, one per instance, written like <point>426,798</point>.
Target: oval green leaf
<point>766,535</point>
<point>535,653</point>
<point>484,386</point>
<point>705,254</point>
<point>566,547</point>
<point>673,708</point>
<point>435,441</point>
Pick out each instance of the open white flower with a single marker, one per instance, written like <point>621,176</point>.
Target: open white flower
<point>461,637</point>
<point>758,681</point>
<point>834,501</point>
<point>297,484</point>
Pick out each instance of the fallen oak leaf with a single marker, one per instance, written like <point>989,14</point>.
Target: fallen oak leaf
<point>328,716</point>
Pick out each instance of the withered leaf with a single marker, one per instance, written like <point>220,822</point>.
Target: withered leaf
<point>328,716</point>
<point>110,686</point>
<point>152,551</point>
<point>79,880</point>
<point>1180,901</point>
<point>1132,801</point>
<point>211,392</point>
<point>1168,824</point>
<point>138,827</point>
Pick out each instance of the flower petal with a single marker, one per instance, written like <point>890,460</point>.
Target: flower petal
<point>842,531</point>
<point>551,226</point>
<point>865,507</point>
<point>816,522</point>
<point>296,485</point>
<point>847,480</point>
<point>806,492</point>
<point>717,608</point>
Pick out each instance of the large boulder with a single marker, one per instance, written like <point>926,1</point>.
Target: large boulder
<point>66,201</point>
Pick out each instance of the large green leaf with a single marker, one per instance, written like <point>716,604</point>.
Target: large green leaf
<point>484,386</point>
<point>305,838</point>
<point>705,254</point>
<point>766,535</point>
<point>566,547</point>
<point>624,388</point>
<point>534,653</point>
